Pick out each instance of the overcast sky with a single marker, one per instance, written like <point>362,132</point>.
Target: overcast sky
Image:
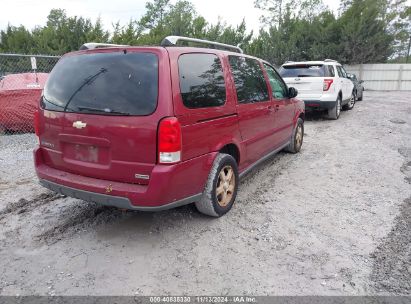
<point>31,13</point>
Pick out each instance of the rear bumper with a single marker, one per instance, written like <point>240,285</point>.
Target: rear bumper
<point>169,186</point>
<point>319,104</point>
<point>110,200</point>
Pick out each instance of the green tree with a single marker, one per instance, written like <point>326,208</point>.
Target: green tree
<point>16,40</point>
<point>364,37</point>
<point>273,10</point>
<point>398,17</point>
<point>179,19</point>
<point>97,32</point>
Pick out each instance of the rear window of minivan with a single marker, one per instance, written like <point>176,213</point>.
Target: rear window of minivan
<point>303,70</point>
<point>116,83</point>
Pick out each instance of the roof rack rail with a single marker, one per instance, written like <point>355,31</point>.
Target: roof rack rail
<point>330,60</point>
<point>174,40</point>
<point>94,45</point>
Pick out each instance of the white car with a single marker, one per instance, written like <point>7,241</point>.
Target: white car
<point>323,85</point>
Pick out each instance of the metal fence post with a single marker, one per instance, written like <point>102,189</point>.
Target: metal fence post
<point>400,78</point>
<point>361,71</point>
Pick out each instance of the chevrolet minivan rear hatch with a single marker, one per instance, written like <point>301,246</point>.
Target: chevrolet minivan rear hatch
<point>98,111</point>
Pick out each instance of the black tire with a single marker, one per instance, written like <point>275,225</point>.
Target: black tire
<point>334,112</point>
<point>296,138</point>
<point>212,203</point>
<point>350,105</point>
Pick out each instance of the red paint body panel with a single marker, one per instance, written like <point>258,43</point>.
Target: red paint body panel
<point>111,150</point>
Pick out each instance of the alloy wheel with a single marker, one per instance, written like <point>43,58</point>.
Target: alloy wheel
<point>352,101</point>
<point>299,137</point>
<point>225,186</point>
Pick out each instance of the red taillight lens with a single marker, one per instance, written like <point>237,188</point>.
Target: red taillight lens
<point>169,140</point>
<point>327,84</point>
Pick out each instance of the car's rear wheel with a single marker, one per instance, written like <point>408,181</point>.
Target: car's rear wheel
<point>334,112</point>
<point>351,102</point>
<point>297,138</point>
<point>221,188</point>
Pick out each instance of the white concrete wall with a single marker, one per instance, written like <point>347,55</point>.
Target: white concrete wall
<point>383,77</point>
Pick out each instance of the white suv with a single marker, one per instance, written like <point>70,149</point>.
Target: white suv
<point>323,85</point>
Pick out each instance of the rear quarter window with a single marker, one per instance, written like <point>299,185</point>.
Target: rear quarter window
<point>330,72</point>
<point>115,83</point>
<point>201,80</point>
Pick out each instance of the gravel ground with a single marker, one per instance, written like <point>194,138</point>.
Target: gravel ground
<point>332,220</point>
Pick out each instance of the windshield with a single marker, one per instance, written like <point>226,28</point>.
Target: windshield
<point>104,83</point>
<point>303,70</point>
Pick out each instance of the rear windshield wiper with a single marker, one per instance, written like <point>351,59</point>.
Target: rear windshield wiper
<point>303,75</point>
<point>88,81</point>
<point>106,110</point>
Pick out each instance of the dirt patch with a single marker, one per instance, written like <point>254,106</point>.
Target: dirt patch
<point>397,121</point>
<point>23,205</point>
<point>392,259</point>
<point>79,218</point>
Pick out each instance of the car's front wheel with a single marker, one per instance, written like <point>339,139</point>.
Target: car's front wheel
<point>351,103</point>
<point>221,188</point>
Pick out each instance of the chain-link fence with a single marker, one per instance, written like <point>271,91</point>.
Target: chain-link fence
<point>22,78</point>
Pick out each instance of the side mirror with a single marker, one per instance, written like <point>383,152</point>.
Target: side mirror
<point>350,76</point>
<point>292,92</point>
<point>361,81</point>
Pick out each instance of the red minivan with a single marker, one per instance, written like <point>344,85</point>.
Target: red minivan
<point>151,128</point>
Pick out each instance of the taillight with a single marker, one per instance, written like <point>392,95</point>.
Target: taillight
<point>327,84</point>
<point>37,124</point>
<point>169,141</point>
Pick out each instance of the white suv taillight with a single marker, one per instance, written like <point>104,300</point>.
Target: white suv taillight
<point>327,84</point>
<point>169,141</point>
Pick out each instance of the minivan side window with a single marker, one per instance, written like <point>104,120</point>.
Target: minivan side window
<point>249,79</point>
<point>201,80</point>
<point>277,85</point>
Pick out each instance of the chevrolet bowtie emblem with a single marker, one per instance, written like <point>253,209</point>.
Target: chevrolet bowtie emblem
<point>79,124</point>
